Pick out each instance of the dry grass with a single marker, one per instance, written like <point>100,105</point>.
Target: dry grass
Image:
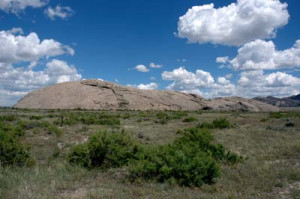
<point>271,168</point>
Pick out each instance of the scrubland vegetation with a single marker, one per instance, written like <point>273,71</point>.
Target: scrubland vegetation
<point>148,154</point>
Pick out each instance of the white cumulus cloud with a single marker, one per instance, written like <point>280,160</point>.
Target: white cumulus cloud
<point>17,48</point>
<point>261,54</point>
<point>256,83</point>
<point>59,12</point>
<point>153,65</point>
<point>186,80</point>
<point>141,68</point>
<point>150,86</point>
<point>15,6</point>
<point>235,24</point>
<point>223,81</point>
<point>249,84</point>
<point>19,56</point>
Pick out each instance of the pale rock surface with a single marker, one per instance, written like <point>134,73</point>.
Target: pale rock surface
<point>101,95</point>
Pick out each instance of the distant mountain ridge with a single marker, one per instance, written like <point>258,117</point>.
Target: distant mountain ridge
<point>292,101</point>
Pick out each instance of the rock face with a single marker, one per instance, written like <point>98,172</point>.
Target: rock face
<point>101,95</point>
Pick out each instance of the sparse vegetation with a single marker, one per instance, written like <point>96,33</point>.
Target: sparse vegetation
<point>89,119</point>
<point>49,137</point>
<point>220,123</point>
<point>278,115</point>
<point>190,119</point>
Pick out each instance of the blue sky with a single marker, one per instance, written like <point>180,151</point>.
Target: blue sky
<point>111,37</point>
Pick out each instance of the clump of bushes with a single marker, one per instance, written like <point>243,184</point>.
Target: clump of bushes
<point>191,160</point>
<point>34,125</point>
<point>105,150</point>
<point>220,123</point>
<point>8,118</point>
<point>14,129</point>
<point>35,117</point>
<point>176,115</point>
<point>278,115</point>
<point>161,121</point>
<point>264,120</point>
<point>12,153</point>
<point>163,117</point>
<point>89,119</point>
<point>190,119</point>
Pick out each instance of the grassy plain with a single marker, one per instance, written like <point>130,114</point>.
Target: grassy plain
<point>269,143</point>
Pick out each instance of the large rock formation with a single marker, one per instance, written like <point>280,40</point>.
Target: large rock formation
<point>101,95</point>
<point>293,101</point>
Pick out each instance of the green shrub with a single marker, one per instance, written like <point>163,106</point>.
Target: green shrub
<point>35,117</point>
<point>12,153</point>
<point>264,120</point>
<point>89,119</point>
<point>191,160</point>
<point>176,165</point>
<point>161,121</point>
<point>13,129</point>
<point>105,150</point>
<point>8,118</point>
<point>162,115</point>
<point>220,123</point>
<point>28,125</point>
<point>176,115</point>
<point>126,116</point>
<point>54,130</point>
<point>190,119</point>
<point>278,115</point>
<point>206,125</point>
<point>80,156</point>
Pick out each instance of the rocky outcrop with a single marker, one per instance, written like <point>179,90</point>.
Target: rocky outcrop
<point>293,101</point>
<point>101,95</point>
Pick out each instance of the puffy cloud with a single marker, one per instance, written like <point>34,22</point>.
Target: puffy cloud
<point>150,86</point>
<point>222,60</point>
<point>228,76</point>
<point>16,81</point>
<point>261,54</point>
<point>200,82</point>
<point>185,80</point>
<point>250,83</point>
<point>17,48</point>
<point>234,24</point>
<point>15,6</point>
<point>153,65</point>
<point>141,68</point>
<point>61,71</point>
<point>223,81</point>
<point>59,12</point>
<point>256,83</point>
<point>25,79</point>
